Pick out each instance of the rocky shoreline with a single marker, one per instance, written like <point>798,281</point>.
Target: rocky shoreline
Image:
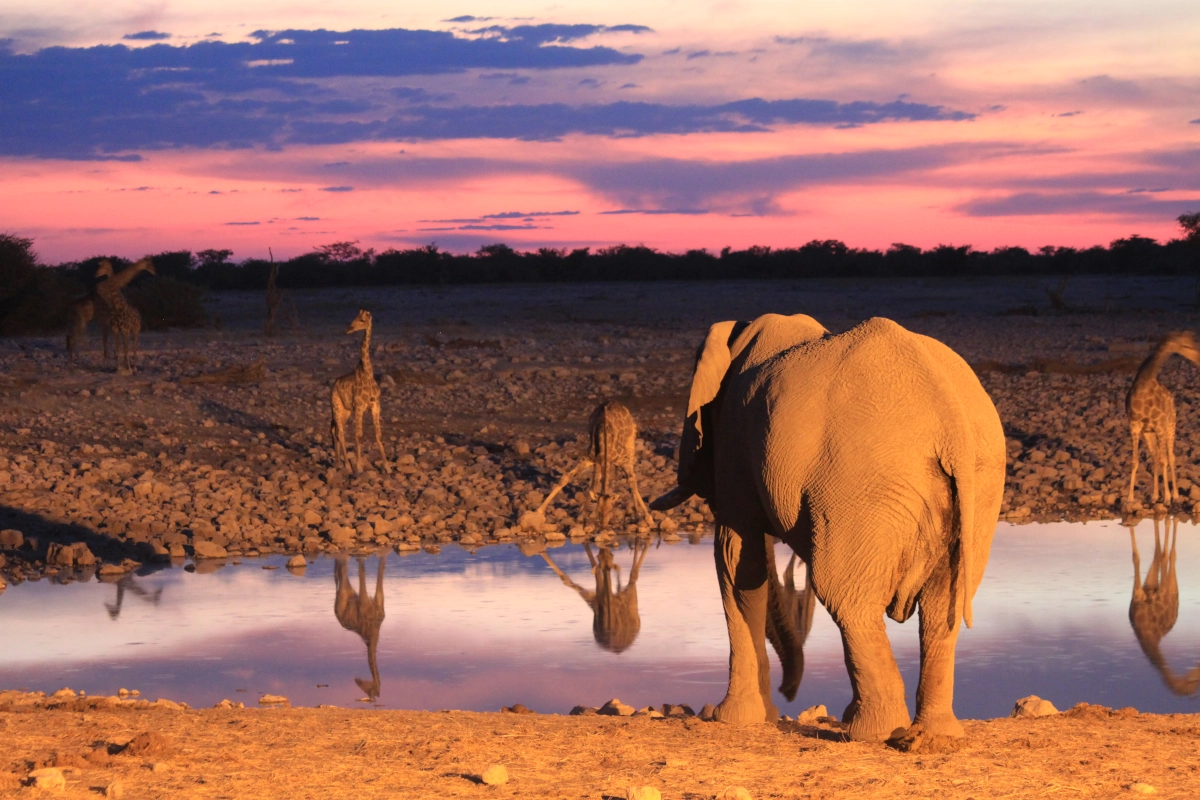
<point>218,446</point>
<point>75,745</point>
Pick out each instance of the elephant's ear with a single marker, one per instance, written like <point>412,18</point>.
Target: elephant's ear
<point>695,446</point>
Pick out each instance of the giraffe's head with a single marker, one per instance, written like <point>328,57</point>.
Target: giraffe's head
<point>145,265</point>
<point>1183,343</point>
<point>361,322</point>
<point>104,270</point>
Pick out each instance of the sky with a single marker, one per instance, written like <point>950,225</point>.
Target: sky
<point>139,127</point>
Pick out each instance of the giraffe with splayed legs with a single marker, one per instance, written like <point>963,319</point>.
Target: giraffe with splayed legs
<point>353,394</point>
<point>1151,410</point>
<point>85,309</point>
<point>612,436</point>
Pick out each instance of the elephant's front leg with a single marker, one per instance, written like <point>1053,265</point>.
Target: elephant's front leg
<point>878,710</point>
<point>940,619</point>
<point>742,572</point>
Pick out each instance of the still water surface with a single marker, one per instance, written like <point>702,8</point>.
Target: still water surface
<point>495,627</point>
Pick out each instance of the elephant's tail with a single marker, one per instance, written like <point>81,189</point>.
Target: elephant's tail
<point>959,463</point>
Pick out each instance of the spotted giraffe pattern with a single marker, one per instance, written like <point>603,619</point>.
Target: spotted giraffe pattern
<point>353,394</point>
<point>1154,606</point>
<point>1151,410</point>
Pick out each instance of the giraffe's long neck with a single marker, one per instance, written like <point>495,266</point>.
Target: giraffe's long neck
<point>364,357</point>
<point>1148,371</point>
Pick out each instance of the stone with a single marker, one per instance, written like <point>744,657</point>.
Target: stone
<point>642,793</point>
<point>1033,706</point>
<point>159,766</point>
<point>114,790</point>
<point>311,517</point>
<point>708,712</point>
<point>521,448</point>
<point>615,708</point>
<point>63,694</point>
<point>297,564</point>
<point>812,714</point>
<point>48,779</point>
<point>495,775</point>
<point>60,555</point>
<point>583,711</point>
<point>203,549</point>
<point>273,700</point>
<point>734,793</point>
<point>11,539</point>
<point>532,521</point>
<point>1142,788</point>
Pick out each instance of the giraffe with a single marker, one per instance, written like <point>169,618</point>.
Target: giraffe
<point>615,618</point>
<point>1151,410</point>
<point>84,309</point>
<point>126,582</point>
<point>1154,606</point>
<point>353,394</point>
<point>612,434</point>
<point>362,614</point>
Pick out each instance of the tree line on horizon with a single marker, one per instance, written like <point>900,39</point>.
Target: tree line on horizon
<point>36,297</point>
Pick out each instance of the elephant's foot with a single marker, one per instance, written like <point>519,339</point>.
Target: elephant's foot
<point>876,722</point>
<point>942,723</point>
<point>745,710</point>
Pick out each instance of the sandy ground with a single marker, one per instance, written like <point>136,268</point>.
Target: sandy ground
<point>486,392</point>
<point>1089,751</point>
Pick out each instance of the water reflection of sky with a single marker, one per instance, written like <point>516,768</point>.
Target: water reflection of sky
<point>478,631</point>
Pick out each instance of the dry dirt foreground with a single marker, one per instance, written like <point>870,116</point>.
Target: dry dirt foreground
<point>1088,752</point>
<point>221,436</point>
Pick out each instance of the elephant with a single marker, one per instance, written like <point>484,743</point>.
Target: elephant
<point>878,457</point>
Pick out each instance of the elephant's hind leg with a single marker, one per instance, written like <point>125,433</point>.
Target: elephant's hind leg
<point>939,635</point>
<point>742,572</point>
<point>878,710</point>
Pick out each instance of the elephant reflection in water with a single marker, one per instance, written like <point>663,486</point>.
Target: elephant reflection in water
<point>1154,607</point>
<point>126,583</point>
<point>615,618</point>
<point>789,618</point>
<point>362,614</point>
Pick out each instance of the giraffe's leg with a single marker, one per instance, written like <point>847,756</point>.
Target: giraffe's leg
<point>1136,430</point>
<point>359,411</point>
<point>638,503</point>
<point>375,412</point>
<point>1155,463</point>
<point>558,487</point>
<point>337,430</point>
<point>1169,446</point>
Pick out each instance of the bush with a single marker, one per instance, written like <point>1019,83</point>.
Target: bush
<point>166,303</point>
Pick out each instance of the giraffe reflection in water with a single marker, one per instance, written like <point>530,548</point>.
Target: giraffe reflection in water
<point>615,618</point>
<point>1154,607</point>
<point>789,618</point>
<point>127,584</point>
<point>362,614</point>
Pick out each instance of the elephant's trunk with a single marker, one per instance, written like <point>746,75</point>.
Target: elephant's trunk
<point>673,498</point>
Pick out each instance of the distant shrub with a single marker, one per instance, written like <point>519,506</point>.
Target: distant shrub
<point>166,303</point>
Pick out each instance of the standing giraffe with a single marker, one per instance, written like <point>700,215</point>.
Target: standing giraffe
<point>85,309</point>
<point>1151,410</point>
<point>105,292</point>
<point>353,394</point>
<point>362,614</point>
<point>612,433</point>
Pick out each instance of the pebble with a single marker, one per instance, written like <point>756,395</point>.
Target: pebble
<point>707,712</point>
<point>1142,788</point>
<point>1033,706</point>
<point>114,790</point>
<point>734,793</point>
<point>615,708</point>
<point>495,775</point>
<point>642,793</point>
<point>811,714</point>
<point>48,779</point>
<point>296,563</point>
<point>272,700</point>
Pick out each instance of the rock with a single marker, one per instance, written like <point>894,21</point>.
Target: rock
<point>114,790</point>
<point>532,521</point>
<point>229,704</point>
<point>311,517</point>
<point>297,564</point>
<point>583,711</point>
<point>707,712</point>
<point>517,708</point>
<point>11,539</point>
<point>734,793</point>
<point>159,766</point>
<point>1033,706</point>
<point>48,779</point>
<point>682,710</point>
<point>147,743</point>
<point>203,549</point>
<point>521,448</point>
<point>64,694</point>
<point>812,714</point>
<point>1142,788</point>
<point>615,708</point>
<point>642,793</point>
<point>273,700</point>
<point>495,775</point>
